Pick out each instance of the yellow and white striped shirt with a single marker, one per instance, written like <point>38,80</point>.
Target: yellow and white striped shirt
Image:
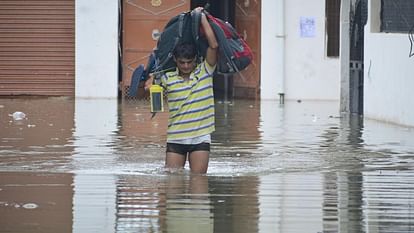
<point>190,103</point>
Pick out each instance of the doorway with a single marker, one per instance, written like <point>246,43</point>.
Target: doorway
<point>223,9</point>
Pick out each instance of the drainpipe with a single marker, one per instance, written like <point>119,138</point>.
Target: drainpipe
<point>280,49</point>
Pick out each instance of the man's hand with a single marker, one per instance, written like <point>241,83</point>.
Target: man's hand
<point>211,54</point>
<point>149,82</point>
<point>198,9</point>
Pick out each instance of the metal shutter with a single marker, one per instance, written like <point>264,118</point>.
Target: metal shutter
<point>37,47</point>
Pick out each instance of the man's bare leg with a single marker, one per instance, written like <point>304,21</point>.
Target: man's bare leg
<point>175,160</point>
<point>199,161</point>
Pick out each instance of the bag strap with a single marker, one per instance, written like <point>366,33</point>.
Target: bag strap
<point>196,22</point>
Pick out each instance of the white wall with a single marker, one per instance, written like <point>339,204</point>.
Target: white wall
<point>272,49</point>
<point>388,73</point>
<point>96,49</point>
<point>309,74</point>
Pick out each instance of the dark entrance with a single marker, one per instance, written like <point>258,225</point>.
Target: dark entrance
<point>358,20</point>
<point>223,9</point>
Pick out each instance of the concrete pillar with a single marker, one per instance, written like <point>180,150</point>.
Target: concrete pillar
<point>96,48</point>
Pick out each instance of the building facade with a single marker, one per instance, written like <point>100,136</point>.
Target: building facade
<point>302,51</point>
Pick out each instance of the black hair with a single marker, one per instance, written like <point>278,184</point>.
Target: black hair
<point>185,50</point>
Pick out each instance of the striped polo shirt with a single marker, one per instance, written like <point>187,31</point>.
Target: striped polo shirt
<point>190,103</point>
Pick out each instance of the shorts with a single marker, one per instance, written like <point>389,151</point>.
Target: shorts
<point>183,149</point>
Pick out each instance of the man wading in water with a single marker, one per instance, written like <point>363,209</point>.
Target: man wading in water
<point>191,103</point>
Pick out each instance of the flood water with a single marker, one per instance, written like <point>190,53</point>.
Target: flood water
<point>97,166</point>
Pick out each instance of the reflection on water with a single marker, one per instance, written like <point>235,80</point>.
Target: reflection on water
<point>96,166</point>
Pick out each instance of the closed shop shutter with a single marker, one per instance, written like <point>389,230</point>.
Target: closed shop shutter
<point>37,47</point>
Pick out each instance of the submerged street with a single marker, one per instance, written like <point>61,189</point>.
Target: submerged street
<point>96,165</point>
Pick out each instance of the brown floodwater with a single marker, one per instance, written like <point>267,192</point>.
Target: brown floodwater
<point>96,165</point>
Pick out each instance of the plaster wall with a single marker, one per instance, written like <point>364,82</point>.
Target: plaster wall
<point>389,73</point>
<point>96,49</point>
<point>308,74</point>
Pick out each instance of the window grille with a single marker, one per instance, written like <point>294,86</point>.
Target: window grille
<point>397,16</point>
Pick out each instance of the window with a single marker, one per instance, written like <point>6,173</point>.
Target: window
<point>397,16</point>
<point>332,11</point>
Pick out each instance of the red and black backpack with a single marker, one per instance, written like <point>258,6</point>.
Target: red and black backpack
<point>234,53</point>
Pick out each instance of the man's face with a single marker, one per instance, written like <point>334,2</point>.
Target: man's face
<point>185,66</point>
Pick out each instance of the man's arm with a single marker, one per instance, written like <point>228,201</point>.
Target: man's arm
<point>211,55</point>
